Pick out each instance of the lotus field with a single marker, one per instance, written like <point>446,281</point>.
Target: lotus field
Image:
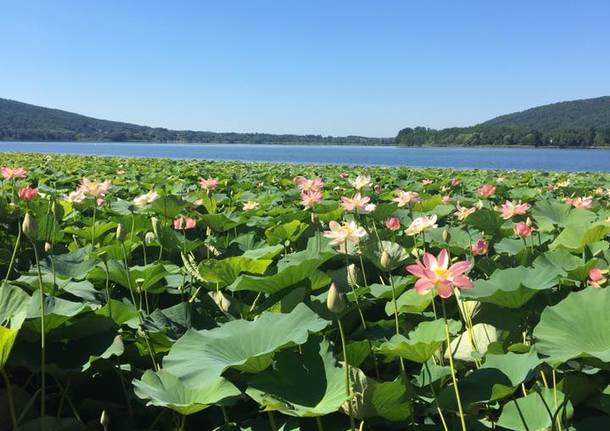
<point>189,295</point>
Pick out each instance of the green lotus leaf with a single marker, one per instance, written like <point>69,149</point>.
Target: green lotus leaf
<point>549,213</point>
<point>264,253</point>
<point>576,327</point>
<point>513,287</point>
<point>374,399</point>
<point>516,367</point>
<point>421,343</point>
<point>575,237</point>
<point>14,304</point>
<point>486,220</point>
<point>117,348</point>
<point>146,277</point>
<point>397,254</point>
<point>162,389</point>
<point>168,206</point>
<point>7,339</point>
<point>304,384</point>
<point>75,264</point>
<point>290,231</point>
<point>291,269</point>
<point>410,302</point>
<point>221,222</point>
<point>200,356</point>
<point>223,272</point>
<point>482,335</point>
<point>536,411</point>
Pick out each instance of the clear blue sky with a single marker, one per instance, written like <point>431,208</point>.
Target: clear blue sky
<point>283,66</point>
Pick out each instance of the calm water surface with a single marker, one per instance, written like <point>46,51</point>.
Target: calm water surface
<point>482,158</point>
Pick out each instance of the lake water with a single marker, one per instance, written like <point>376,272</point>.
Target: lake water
<point>480,158</point>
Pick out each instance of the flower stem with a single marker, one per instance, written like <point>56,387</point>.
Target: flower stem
<point>43,383</point>
<point>451,365</point>
<point>438,408</point>
<point>347,377</point>
<point>9,395</point>
<point>14,255</point>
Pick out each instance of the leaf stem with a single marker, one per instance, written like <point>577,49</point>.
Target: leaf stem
<point>451,365</point>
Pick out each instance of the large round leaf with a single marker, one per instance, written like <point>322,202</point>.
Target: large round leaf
<point>201,356</point>
<point>162,389</point>
<point>307,383</point>
<point>576,327</point>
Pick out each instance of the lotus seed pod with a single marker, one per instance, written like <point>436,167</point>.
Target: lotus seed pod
<point>149,238</point>
<point>385,259</point>
<point>445,235</point>
<point>120,232</point>
<point>29,226</point>
<point>104,419</point>
<point>335,301</point>
<point>48,246</point>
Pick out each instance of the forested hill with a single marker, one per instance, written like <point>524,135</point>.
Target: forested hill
<point>24,122</point>
<point>578,123</point>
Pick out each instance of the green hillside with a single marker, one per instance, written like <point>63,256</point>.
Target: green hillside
<point>24,122</point>
<point>576,114</point>
<point>578,123</point>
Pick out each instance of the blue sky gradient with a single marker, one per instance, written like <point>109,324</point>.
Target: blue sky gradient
<point>324,67</point>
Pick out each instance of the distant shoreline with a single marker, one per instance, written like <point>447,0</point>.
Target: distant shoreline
<point>321,144</point>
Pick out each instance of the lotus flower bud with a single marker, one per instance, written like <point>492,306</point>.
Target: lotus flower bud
<point>385,259</point>
<point>48,247</point>
<point>352,275</point>
<point>149,238</point>
<point>120,232</point>
<point>155,225</point>
<point>104,419</point>
<point>29,226</point>
<point>445,235</point>
<point>335,301</point>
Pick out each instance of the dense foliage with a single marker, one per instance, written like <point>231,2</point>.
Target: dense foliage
<point>161,295</point>
<point>25,122</point>
<point>579,123</point>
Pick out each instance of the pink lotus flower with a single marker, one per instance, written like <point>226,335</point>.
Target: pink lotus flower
<point>435,273</point>
<point>344,175</point>
<point>146,199</point>
<point>93,188</point>
<point>27,193</point>
<point>596,278</point>
<point>348,232</point>
<point>356,202</point>
<point>579,202</point>
<point>12,173</point>
<point>523,229</point>
<point>310,198</point>
<point>511,209</point>
<point>307,185</point>
<point>426,182</point>
<point>378,188</point>
<point>184,223</point>
<point>479,248</point>
<point>250,205</point>
<point>463,212</point>
<point>360,182</point>
<point>75,197</point>
<point>208,184</point>
<point>487,190</point>
<point>455,182</point>
<point>422,224</point>
<point>405,198</point>
<point>446,199</point>
<point>393,223</point>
